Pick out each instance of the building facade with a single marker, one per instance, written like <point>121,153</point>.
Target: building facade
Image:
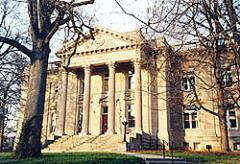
<point>121,77</point>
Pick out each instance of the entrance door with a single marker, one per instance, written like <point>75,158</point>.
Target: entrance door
<point>104,119</point>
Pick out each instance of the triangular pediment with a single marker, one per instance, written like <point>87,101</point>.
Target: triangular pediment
<point>106,39</point>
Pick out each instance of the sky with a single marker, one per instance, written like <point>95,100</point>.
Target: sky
<point>109,15</point>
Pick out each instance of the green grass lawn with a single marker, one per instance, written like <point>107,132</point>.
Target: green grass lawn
<point>73,158</point>
<point>203,157</point>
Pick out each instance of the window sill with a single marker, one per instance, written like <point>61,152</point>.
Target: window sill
<point>233,128</point>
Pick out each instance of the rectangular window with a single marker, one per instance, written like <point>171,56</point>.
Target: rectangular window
<point>226,78</point>
<point>232,119</point>
<point>188,82</point>
<point>186,121</point>
<point>105,82</point>
<point>105,110</point>
<point>236,146</point>
<point>190,120</point>
<point>130,116</point>
<point>80,118</point>
<point>82,86</point>
<point>194,120</point>
<point>53,122</point>
<point>130,80</point>
<point>196,146</point>
<point>56,89</point>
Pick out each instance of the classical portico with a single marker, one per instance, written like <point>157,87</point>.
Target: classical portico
<point>116,54</point>
<point>110,97</point>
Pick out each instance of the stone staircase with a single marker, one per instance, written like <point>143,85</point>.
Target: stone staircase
<point>143,142</point>
<point>76,143</point>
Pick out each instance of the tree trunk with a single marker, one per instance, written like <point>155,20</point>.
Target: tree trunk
<point>35,102</point>
<point>224,133</point>
<point>2,130</point>
<point>2,119</point>
<point>223,121</point>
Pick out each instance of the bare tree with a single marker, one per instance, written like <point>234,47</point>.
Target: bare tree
<point>11,68</point>
<point>214,26</point>
<point>46,17</point>
<point>12,63</point>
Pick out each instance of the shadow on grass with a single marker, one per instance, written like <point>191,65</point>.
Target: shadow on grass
<point>202,157</point>
<point>73,158</point>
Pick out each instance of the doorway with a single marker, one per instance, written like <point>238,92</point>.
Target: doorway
<point>104,119</point>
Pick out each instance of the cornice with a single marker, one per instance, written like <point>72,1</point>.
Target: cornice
<point>105,50</point>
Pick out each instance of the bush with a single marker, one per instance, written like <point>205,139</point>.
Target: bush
<point>22,149</point>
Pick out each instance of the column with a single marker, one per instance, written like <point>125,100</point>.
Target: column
<point>62,104</point>
<point>111,99</point>
<point>86,100</point>
<point>138,96</point>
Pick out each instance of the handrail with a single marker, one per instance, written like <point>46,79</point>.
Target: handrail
<point>170,144</point>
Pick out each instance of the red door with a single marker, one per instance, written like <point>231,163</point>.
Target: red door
<point>104,123</point>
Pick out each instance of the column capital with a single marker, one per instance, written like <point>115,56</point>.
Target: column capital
<point>87,67</point>
<point>136,61</point>
<point>73,74</point>
<point>111,64</point>
<point>63,70</point>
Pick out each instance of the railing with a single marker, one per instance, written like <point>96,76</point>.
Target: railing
<point>170,144</point>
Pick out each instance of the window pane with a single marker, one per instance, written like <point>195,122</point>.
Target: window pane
<point>226,78</point>
<point>186,121</point>
<point>233,123</point>
<point>232,113</point>
<point>236,146</point>
<point>53,122</point>
<point>131,123</point>
<point>186,124</point>
<point>194,116</point>
<point>105,82</point>
<point>105,110</point>
<point>184,83</point>
<point>190,119</point>
<point>130,115</point>
<point>82,87</point>
<point>188,82</point>
<point>232,119</point>
<point>130,80</point>
<point>192,82</point>
<point>194,124</point>
<point>186,116</point>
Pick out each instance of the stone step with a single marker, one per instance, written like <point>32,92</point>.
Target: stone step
<point>85,143</point>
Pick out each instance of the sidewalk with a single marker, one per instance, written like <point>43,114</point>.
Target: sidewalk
<point>158,159</point>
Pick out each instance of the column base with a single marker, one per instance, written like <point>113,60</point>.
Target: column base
<point>83,134</point>
<point>59,134</point>
<point>110,133</point>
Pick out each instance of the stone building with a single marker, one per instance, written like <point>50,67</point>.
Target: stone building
<point>121,76</point>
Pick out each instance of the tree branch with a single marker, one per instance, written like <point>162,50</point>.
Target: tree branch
<point>83,3</point>
<point>17,45</point>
